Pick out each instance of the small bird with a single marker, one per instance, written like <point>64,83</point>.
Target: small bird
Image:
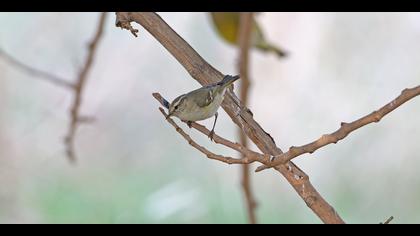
<point>201,103</point>
<point>227,26</point>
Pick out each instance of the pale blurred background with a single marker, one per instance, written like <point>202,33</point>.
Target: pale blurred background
<point>134,168</point>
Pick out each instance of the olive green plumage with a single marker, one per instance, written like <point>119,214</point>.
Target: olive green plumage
<point>201,103</point>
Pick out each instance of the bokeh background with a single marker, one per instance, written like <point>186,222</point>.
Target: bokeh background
<point>134,168</point>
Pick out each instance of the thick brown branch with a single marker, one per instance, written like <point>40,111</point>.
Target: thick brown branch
<point>75,118</point>
<point>344,130</point>
<point>245,29</point>
<point>204,73</point>
<point>53,79</point>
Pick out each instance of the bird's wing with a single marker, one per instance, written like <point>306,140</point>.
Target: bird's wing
<point>203,96</point>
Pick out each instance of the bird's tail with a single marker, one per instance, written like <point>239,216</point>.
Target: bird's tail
<point>269,47</point>
<point>228,80</point>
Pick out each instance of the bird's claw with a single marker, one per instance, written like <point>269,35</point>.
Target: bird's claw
<point>211,134</point>
<point>189,123</point>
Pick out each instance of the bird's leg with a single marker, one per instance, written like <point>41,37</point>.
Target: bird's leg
<point>214,125</point>
<point>188,122</point>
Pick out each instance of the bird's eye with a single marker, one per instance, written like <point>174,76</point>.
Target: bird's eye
<point>176,107</point>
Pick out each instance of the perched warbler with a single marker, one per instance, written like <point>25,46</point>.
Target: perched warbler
<point>201,103</point>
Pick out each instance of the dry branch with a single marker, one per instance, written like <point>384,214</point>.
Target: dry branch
<point>204,73</point>
<point>245,30</point>
<point>75,118</point>
<point>388,220</point>
<point>46,76</point>
<point>77,88</point>
<point>344,130</point>
<point>249,156</point>
<point>209,154</point>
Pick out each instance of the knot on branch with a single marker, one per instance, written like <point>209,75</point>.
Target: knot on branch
<point>343,124</point>
<point>124,22</point>
<point>293,150</point>
<point>310,200</point>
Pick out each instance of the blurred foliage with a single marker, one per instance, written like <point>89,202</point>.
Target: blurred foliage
<point>130,197</point>
<point>227,27</point>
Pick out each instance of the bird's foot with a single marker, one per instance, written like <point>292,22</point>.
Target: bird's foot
<point>211,134</point>
<point>189,123</point>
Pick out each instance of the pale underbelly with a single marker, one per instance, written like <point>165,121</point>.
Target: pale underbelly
<point>201,113</point>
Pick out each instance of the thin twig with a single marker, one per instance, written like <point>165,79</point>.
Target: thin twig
<point>161,100</point>
<point>251,155</point>
<point>75,118</point>
<point>388,220</point>
<point>245,29</point>
<point>262,158</point>
<point>204,73</point>
<point>209,154</point>
<point>344,130</point>
<point>46,76</point>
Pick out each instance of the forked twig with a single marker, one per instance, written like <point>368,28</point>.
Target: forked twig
<point>75,118</point>
<point>203,72</point>
<point>249,156</point>
<point>43,75</point>
<point>344,130</point>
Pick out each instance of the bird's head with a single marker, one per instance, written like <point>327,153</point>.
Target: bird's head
<point>176,106</point>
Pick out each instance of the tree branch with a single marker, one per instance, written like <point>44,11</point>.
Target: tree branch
<point>75,118</point>
<point>245,30</point>
<point>56,80</point>
<point>387,221</point>
<point>210,155</point>
<point>77,88</point>
<point>344,130</point>
<point>204,73</point>
<point>246,153</point>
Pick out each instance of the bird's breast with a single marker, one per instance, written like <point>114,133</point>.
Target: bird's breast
<point>201,113</point>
